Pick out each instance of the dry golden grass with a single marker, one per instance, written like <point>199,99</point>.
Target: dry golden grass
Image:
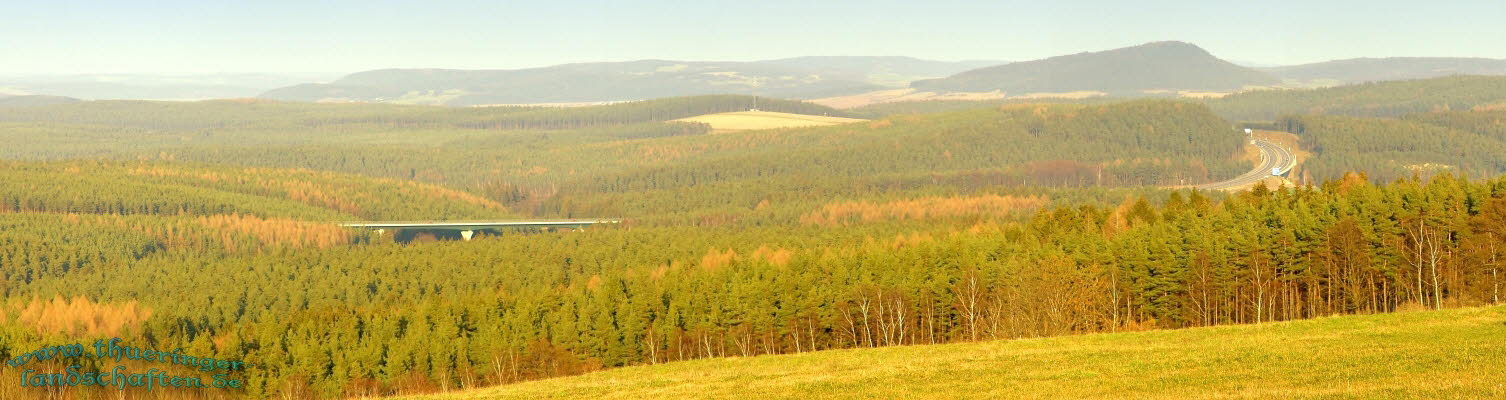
<point>1455,353</point>
<point>901,95</point>
<point>904,95</point>
<point>863,99</point>
<point>1082,94</point>
<point>1192,94</point>
<point>754,120</point>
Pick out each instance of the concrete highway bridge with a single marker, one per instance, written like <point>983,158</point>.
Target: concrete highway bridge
<point>468,229</point>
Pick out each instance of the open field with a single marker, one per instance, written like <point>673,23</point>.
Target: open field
<point>1081,94</point>
<point>901,95</point>
<point>1433,354</point>
<point>751,120</point>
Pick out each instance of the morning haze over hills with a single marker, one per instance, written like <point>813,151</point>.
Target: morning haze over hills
<point>1152,69</point>
<point>803,77</point>
<point>1168,68</point>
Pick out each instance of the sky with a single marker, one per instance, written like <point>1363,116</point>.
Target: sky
<point>312,36</point>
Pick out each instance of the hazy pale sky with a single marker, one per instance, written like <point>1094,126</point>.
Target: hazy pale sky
<point>170,36</point>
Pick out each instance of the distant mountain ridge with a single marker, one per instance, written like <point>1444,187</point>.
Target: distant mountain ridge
<point>803,77</point>
<point>1151,69</point>
<point>120,86</point>
<point>1125,71</point>
<point>1358,70</point>
<point>33,100</point>
<point>891,70</point>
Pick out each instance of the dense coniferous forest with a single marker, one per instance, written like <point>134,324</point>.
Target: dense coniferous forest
<point>131,188</point>
<point>264,114</point>
<point>1371,99</point>
<point>1393,148</point>
<point>1377,99</point>
<point>526,307</point>
<point>210,227</point>
<point>610,169</point>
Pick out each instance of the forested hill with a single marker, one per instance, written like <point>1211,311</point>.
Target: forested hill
<point>137,188</point>
<point>1126,144</point>
<point>1381,99</point>
<point>596,161</point>
<point>896,71</point>
<point>216,115</point>
<point>588,82</point>
<point>582,174</point>
<point>1125,71</point>
<point>1388,130</point>
<point>33,100</point>
<point>1461,142</point>
<point>528,307</point>
<point>1003,221</point>
<point>1358,70</point>
<point>799,77</point>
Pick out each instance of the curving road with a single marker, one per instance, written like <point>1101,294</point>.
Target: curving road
<point>1272,156</point>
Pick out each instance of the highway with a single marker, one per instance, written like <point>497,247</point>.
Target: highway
<point>468,229</point>
<point>1271,156</point>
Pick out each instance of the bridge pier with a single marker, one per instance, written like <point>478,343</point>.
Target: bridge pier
<point>467,234</point>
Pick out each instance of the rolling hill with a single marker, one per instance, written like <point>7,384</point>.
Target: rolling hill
<point>1376,99</point>
<point>153,86</point>
<point>588,82</point>
<point>631,159</point>
<point>1126,71</point>
<point>1434,354</point>
<point>894,70</point>
<point>1359,70</point>
<point>34,100</point>
<point>801,77</point>
<point>139,188</point>
<point>764,242</point>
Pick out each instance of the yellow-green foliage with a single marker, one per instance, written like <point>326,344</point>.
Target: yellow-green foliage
<point>1435,354</point>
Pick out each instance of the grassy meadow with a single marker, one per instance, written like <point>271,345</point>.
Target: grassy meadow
<point>752,120</point>
<point>1456,353</point>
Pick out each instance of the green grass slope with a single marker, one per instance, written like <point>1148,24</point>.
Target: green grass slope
<point>1436,354</point>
